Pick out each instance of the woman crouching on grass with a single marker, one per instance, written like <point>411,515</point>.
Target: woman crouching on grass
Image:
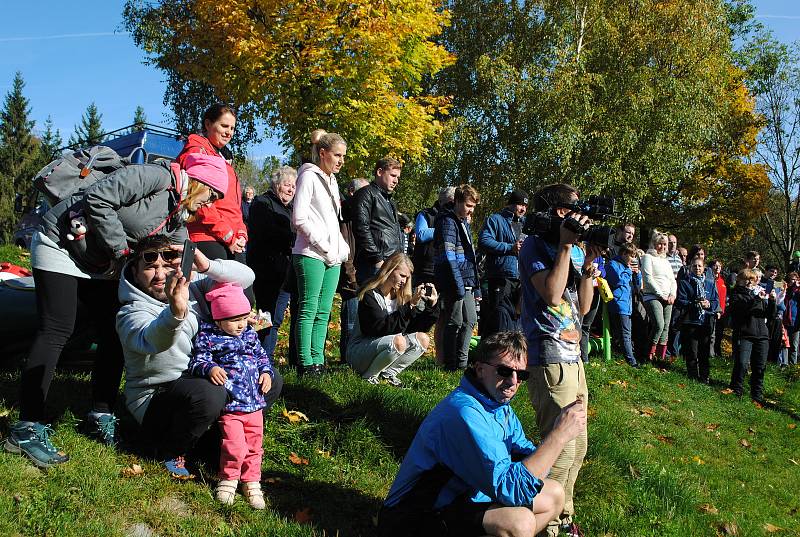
<point>749,308</point>
<point>390,330</point>
<point>228,352</point>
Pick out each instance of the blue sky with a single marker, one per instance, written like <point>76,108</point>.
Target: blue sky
<point>73,53</point>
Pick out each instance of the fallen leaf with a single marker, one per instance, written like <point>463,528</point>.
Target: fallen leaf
<point>621,383</point>
<point>771,528</point>
<point>294,416</point>
<point>132,471</point>
<point>792,426</point>
<point>698,460</point>
<point>324,454</point>
<point>634,472</point>
<point>17,498</point>
<point>751,430</point>
<point>744,443</point>
<point>681,385</point>
<point>592,412</point>
<point>726,391</point>
<point>729,528</point>
<point>649,412</point>
<point>757,404</point>
<point>771,401</point>
<point>303,516</point>
<point>665,439</point>
<point>273,480</point>
<point>712,426</point>
<point>778,391</point>
<point>710,509</point>
<point>294,458</point>
<point>794,462</point>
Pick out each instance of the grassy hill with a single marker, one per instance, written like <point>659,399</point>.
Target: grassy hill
<point>666,457</point>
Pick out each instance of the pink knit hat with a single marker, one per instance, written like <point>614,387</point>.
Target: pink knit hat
<point>208,169</point>
<point>227,301</point>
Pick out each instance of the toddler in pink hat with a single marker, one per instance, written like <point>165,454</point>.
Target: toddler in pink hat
<point>210,170</point>
<point>228,352</point>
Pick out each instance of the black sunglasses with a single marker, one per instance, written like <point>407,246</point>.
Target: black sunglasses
<point>167,255</point>
<point>506,372</point>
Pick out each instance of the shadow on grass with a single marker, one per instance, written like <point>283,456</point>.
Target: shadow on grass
<point>68,391</point>
<point>334,509</point>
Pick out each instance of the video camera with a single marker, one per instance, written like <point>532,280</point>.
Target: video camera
<point>547,224</point>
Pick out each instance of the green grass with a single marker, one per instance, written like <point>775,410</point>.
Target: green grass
<point>15,254</point>
<point>666,457</point>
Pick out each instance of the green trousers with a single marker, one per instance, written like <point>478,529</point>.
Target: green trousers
<point>316,285</point>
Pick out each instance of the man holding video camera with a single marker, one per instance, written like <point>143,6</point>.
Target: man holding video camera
<point>557,291</point>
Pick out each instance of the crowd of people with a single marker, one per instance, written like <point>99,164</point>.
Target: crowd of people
<point>198,348</point>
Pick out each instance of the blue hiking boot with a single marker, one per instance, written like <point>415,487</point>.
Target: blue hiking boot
<point>33,440</point>
<point>177,468</point>
<point>102,427</point>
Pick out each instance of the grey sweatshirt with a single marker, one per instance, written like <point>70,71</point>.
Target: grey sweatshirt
<point>156,345</point>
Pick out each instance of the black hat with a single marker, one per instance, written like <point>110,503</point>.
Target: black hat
<point>518,197</point>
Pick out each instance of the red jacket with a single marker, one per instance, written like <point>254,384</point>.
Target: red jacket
<point>221,221</point>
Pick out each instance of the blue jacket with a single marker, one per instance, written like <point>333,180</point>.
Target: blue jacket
<point>243,359</point>
<point>454,265</point>
<point>475,438</point>
<point>688,296</point>
<point>622,281</point>
<point>496,240</point>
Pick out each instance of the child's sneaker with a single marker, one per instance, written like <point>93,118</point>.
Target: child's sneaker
<point>226,491</point>
<point>252,491</point>
<point>177,468</point>
<point>102,427</point>
<point>33,440</point>
<point>373,380</point>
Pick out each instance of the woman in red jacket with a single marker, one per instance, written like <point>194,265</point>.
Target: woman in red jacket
<point>219,230</point>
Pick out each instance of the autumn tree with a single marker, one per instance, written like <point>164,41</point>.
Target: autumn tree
<point>352,68</point>
<point>90,130</point>
<point>18,153</point>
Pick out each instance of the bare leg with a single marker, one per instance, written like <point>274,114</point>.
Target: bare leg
<point>525,522</point>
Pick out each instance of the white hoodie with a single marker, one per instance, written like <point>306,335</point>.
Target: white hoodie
<point>315,218</point>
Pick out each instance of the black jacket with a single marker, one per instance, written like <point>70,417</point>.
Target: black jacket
<point>375,226</point>
<point>269,248</point>
<point>748,313</point>
<point>373,320</point>
<point>423,251</point>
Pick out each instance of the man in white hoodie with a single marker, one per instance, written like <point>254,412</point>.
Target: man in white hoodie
<point>156,324</point>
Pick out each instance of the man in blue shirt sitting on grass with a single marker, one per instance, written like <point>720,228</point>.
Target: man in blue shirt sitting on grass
<point>470,469</point>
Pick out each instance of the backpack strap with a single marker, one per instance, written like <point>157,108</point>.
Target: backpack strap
<point>175,168</point>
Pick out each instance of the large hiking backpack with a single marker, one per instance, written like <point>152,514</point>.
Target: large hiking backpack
<point>74,172</point>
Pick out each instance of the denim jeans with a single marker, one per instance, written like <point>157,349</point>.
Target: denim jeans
<point>348,315</point>
<point>794,343</point>
<point>621,324</point>
<point>460,318</point>
<point>277,319</point>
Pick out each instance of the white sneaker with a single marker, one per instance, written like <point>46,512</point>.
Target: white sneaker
<point>226,491</point>
<point>252,492</point>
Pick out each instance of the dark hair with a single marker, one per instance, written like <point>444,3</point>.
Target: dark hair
<point>553,195</point>
<point>752,254</point>
<point>694,250</point>
<point>793,275</point>
<point>388,163</point>
<point>499,344</point>
<point>771,267</point>
<point>153,242</point>
<point>216,111</point>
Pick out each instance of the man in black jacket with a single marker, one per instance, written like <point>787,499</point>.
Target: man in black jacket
<point>375,226</point>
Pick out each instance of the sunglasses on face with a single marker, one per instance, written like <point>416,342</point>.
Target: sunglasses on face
<point>506,372</point>
<point>168,256</point>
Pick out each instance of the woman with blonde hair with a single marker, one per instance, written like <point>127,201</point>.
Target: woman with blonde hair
<point>319,249</point>
<point>659,291</point>
<point>393,318</point>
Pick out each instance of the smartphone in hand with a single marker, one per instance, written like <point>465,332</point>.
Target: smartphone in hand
<point>188,258</point>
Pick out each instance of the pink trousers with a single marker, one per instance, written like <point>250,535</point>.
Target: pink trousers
<point>242,446</point>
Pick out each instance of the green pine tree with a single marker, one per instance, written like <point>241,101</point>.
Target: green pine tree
<point>18,154</point>
<point>139,119</point>
<point>51,142</point>
<point>90,130</point>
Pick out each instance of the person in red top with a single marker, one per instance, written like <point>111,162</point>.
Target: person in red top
<point>219,230</point>
<point>722,291</point>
